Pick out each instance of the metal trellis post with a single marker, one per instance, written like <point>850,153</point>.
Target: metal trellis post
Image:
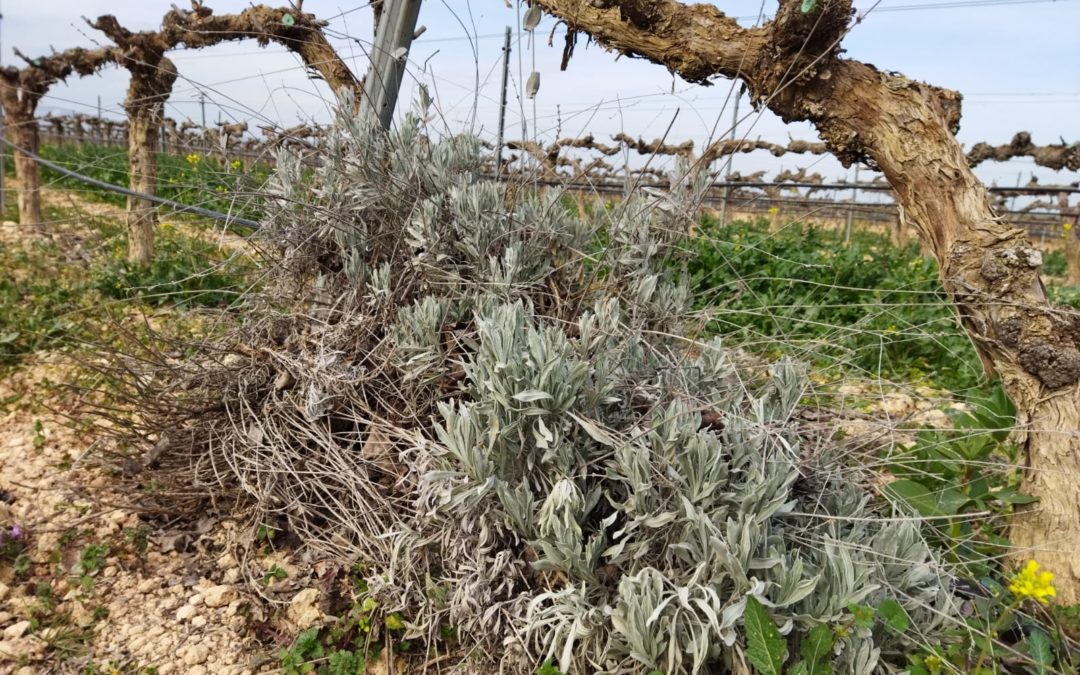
<point>393,39</point>
<point>502,102</point>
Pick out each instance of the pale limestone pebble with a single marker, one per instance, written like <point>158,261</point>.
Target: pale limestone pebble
<point>148,585</point>
<point>185,613</point>
<point>227,561</point>
<point>4,590</point>
<point>195,600</point>
<point>231,575</point>
<point>22,605</point>
<point>170,602</point>
<point>303,611</point>
<point>48,541</point>
<point>17,630</point>
<point>166,668</point>
<point>109,572</point>
<point>198,621</point>
<point>219,596</point>
<point>5,617</point>
<point>197,670</point>
<point>196,654</point>
<point>136,642</point>
<point>233,608</point>
<point>896,404</point>
<point>933,418</point>
<point>26,647</point>
<point>81,615</point>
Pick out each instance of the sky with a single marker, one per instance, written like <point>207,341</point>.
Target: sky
<point>1015,61</point>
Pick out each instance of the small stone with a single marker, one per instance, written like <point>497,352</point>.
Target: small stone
<point>185,613</point>
<point>109,572</point>
<point>303,611</point>
<point>197,670</point>
<point>4,590</point>
<point>82,616</point>
<point>219,596</point>
<point>148,586</point>
<point>166,668</point>
<point>226,562</point>
<point>231,576</point>
<point>198,621</point>
<point>196,654</point>
<point>195,600</point>
<point>28,647</point>
<point>17,630</point>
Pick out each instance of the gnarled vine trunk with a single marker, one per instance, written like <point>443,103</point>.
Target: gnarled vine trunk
<point>145,103</point>
<point>20,91</point>
<point>153,75</point>
<point>906,129</point>
<point>22,130</point>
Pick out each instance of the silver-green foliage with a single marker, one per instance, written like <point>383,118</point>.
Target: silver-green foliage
<point>572,476</point>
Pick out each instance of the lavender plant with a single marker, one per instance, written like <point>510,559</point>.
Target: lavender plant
<point>499,408</point>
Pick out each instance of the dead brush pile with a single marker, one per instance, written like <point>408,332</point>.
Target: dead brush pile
<point>495,407</point>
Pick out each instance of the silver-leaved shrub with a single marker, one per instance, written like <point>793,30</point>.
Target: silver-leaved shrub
<point>499,408</point>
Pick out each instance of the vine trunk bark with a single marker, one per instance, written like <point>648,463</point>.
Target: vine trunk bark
<point>23,132</point>
<point>149,89</point>
<point>1072,254</point>
<point>142,167</point>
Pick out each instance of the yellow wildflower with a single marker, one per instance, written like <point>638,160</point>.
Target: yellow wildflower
<point>193,159</point>
<point>235,164</point>
<point>1031,583</point>
<point>1066,226</point>
<point>933,663</point>
<point>891,328</point>
<point>773,210</point>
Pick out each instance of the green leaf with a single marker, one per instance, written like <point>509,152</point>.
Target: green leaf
<point>764,646</point>
<point>394,622</point>
<point>817,646</point>
<point>548,668</point>
<point>927,502</point>
<point>808,6</point>
<point>863,615</point>
<point>1009,495</point>
<point>913,494</point>
<point>1040,651</point>
<point>894,614</point>
<point>979,488</point>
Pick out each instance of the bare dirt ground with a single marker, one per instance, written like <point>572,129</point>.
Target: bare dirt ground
<point>103,587</point>
<point>90,586</point>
